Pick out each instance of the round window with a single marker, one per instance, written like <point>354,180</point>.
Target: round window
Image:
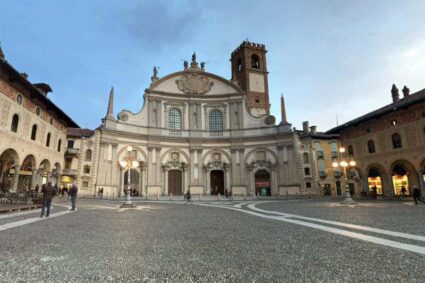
<point>19,99</point>
<point>38,111</point>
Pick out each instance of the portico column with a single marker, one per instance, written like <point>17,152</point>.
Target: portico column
<point>143,170</point>
<point>421,181</point>
<point>158,166</point>
<point>207,181</point>
<point>33,178</point>
<point>165,189</point>
<point>15,179</point>
<point>273,180</point>
<point>365,184</point>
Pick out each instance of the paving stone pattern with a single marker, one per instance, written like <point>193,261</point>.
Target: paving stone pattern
<point>191,243</point>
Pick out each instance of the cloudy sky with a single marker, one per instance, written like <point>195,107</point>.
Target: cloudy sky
<point>329,58</point>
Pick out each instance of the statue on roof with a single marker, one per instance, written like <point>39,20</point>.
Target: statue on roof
<point>155,73</point>
<point>202,65</point>
<point>194,64</point>
<point>185,64</point>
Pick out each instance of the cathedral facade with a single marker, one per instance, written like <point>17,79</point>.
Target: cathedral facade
<point>200,132</point>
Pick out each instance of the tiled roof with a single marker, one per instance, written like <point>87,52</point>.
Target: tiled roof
<point>77,132</point>
<point>414,98</point>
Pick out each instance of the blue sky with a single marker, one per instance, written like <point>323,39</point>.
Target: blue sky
<point>327,57</point>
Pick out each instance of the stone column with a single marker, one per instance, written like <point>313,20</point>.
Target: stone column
<point>113,176</point>
<point>207,181</point>
<point>364,184</point>
<point>165,189</point>
<point>15,179</point>
<point>158,166</point>
<point>33,178</point>
<point>143,174</point>
<point>200,175</point>
<point>150,175</point>
<point>250,190</point>
<point>184,171</point>
<point>421,182</point>
<point>235,167</point>
<point>242,167</point>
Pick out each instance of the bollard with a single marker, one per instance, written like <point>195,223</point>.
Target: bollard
<point>171,196</point>
<point>218,196</point>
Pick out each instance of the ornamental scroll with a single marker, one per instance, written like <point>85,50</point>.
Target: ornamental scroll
<point>194,83</point>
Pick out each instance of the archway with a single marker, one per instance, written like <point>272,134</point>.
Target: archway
<point>9,161</point>
<point>403,178</point>
<point>25,182</point>
<point>375,181</point>
<point>134,187</point>
<point>217,182</point>
<point>44,171</point>
<point>262,183</point>
<point>175,185</point>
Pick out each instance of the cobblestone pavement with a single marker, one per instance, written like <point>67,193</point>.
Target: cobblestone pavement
<point>211,242</point>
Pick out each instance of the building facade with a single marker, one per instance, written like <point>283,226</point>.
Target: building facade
<point>322,149</point>
<point>32,132</point>
<point>77,164</point>
<point>388,144</point>
<point>199,131</point>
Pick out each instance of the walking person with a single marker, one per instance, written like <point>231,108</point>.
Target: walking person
<point>188,196</point>
<point>73,194</point>
<point>417,195</point>
<point>48,193</point>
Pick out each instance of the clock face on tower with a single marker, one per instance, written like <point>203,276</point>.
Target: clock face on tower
<point>256,82</point>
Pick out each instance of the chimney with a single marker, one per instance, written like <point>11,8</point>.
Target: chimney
<point>44,88</point>
<point>313,130</point>
<point>305,127</point>
<point>406,91</point>
<point>394,93</point>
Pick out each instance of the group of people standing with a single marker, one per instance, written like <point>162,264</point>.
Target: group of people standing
<point>49,192</point>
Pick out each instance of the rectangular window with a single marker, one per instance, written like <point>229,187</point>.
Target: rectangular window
<point>68,163</point>
<point>70,143</point>
<point>307,171</point>
<point>85,184</point>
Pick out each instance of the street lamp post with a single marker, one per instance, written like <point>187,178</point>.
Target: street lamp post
<point>128,163</point>
<point>344,163</point>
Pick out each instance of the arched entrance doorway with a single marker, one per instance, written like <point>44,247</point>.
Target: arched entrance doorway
<point>217,182</point>
<point>262,183</point>
<point>403,178</point>
<point>175,180</point>
<point>134,182</point>
<point>375,181</point>
<point>8,173</point>
<point>26,174</point>
<point>44,171</point>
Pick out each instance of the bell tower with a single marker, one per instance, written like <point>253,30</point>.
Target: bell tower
<point>249,71</point>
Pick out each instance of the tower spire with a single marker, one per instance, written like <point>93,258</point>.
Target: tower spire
<point>283,110</point>
<point>1,53</point>
<point>110,113</point>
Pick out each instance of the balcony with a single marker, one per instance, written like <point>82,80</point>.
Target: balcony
<point>70,172</point>
<point>337,174</point>
<point>319,154</point>
<point>334,154</point>
<point>322,174</point>
<point>72,151</point>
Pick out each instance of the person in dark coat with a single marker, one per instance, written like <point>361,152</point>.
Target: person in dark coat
<point>48,193</point>
<point>417,195</point>
<point>73,194</point>
<point>188,196</point>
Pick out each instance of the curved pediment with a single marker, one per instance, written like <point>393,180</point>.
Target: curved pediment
<point>194,82</point>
